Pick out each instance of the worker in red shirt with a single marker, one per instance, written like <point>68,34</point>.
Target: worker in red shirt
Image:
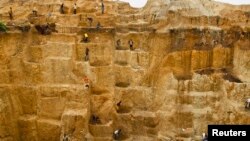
<point>86,82</point>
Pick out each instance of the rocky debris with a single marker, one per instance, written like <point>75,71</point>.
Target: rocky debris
<point>231,78</point>
<point>46,29</point>
<point>23,28</point>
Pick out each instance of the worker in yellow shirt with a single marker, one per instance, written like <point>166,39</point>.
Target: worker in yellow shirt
<point>86,37</point>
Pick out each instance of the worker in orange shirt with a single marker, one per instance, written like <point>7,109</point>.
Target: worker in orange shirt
<point>86,82</point>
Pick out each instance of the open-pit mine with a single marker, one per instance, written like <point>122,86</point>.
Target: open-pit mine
<point>84,70</point>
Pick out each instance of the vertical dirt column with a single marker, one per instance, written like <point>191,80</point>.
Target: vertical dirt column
<point>102,82</point>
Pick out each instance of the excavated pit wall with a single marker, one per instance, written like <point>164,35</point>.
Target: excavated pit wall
<point>171,86</point>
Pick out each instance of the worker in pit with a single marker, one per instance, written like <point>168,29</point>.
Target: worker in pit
<point>87,54</point>
<point>102,7</point>
<point>117,134</point>
<point>118,105</point>
<point>34,11</point>
<point>98,25</point>
<point>74,8</point>
<point>131,44</point>
<point>90,20</point>
<point>62,8</point>
<point>95,119</point>
<point>204,137</point>
<point>118,43</point>
<point>11,13</point>
<point>65,137</point>
<point>85,37</point>
<point>86,82</point>
<point>247,105</point>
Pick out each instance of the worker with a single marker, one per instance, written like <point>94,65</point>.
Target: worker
<point>11,14</point>
<point>87,54</point>
<point>247,106</point>
<point>215,42</point>
<point>90,20</point>
<point>217,21</point>
<point>95,119</point>
<point>65,137</point>
<point>47,26</point>
<point>86,81</point>
<point>34,11</point>
<point>118,43</point>
<point>86,38</point>
<point>74,7</point>
<point>204,137</point>
<point>117,134</point>
<point>131,44</point>
<point>102,7</point>
<point>153,17</point>
<point>118,106</point>
<point>98,25</point>
<point>62,8</point>
<point>119,103</point>
<point>49,17</point>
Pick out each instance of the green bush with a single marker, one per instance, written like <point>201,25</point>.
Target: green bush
<point>3,27</point>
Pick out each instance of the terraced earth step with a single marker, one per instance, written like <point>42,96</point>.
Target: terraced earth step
<point>134,24</point>
<point>101,130</point>
<point>140,138</point>
<point>51,122</point>
<point>188,108</point>
<point>76,105</point>
<point>75,112</point>
<point>125,29</point>
<point>89,137</point>
<point>28,117</point>
<point>182,139</point>
<point>145,118</point>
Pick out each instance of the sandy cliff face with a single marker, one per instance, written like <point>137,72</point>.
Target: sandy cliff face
<point>189,68</point>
